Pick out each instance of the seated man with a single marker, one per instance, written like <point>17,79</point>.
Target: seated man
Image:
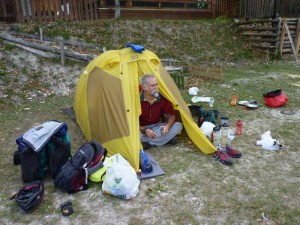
<point>155,110</point>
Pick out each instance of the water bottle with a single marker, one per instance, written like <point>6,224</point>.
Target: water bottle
<point>216,136</point>
<point>145,163</point>
<point>224,135</point>
<point>239,127</point>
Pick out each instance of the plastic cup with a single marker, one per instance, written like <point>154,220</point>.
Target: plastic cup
<point>224,121</point>
<point>231,134</point>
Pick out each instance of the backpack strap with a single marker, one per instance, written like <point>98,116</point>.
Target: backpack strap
<point>99,151</point>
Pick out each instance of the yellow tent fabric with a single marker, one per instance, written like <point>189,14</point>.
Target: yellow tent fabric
<point>107,102</point>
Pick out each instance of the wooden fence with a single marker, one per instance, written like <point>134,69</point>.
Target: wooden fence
<point>268,8</point>
<point>50,10</point>
<point>273,35</point>
<point>23,11</point>
<point>226,8</point>
<point>7,11</point>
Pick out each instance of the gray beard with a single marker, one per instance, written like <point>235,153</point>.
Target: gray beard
<point>155,94</point>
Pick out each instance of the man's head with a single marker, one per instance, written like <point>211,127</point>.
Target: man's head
<point>150,85</point>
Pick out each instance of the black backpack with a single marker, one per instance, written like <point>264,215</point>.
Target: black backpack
<point>50,157</point>
<point>74,174</point>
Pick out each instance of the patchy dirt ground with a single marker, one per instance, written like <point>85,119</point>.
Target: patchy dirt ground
<point>261,188</point>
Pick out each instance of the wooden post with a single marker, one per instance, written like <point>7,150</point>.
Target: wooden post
<point>213,7</point>
<point>291,42</point>
<point>62,53</point>
<point>19,15</point>
<point>41,34</point>
<point>117,9</point>
<point>282,36</point>
<point>278,34</point>
<point>297,37</point>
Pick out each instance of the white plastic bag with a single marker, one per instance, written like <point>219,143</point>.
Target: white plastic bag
<point>207,128</point>
<point>193,91</point>
<point>121,179</point>
<point>268,143</point>
<point>196,99</point>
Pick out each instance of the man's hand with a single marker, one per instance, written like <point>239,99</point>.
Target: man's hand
<point>150,133</point>
<point>165,129</point>
<point>170,122</point>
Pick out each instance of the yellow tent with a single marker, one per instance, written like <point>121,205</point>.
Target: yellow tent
<point>107,102</point>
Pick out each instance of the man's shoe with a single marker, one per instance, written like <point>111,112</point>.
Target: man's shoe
<point>146,145</point>
<point>223,157</point>
<point>173,141</point>
<point>233,153</point>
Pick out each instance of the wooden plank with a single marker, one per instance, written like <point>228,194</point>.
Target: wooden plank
<point>37,10</point>
<point>257,29</point>
<point>297,37</point>
<point>60,16</point>
<point>54,9</point>
<point>287,50</point>
<point>86,10</point>
<point>44,16</point>
<point>259,34</point>
<point>91,9</point>
<point>55,50</point>
<point>213,7</point>
<point>258,21</point>
<point>66,42</point>
<point>269,40</point>
<point>48,10</point>
<point>282,36</point>
<point>32,50</point>
<point>71,10</point>
<point>20,18</point>
<point>3,7</point>
<point>78,9</point>
<point>64,9</point>
<point>75,10</point>
<point>96,12</point>
<point>292,42</point>
<point>81,10</point>
<point>278,35</point>
<point>30,11</point>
